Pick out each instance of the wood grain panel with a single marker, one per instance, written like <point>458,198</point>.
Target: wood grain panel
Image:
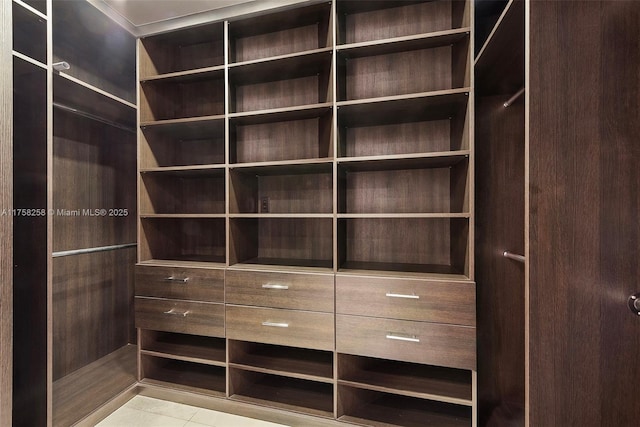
<point>92,307</point>
<point>85,390</point>
<point>395,73</point>
<point>196,284</point>
<point>278,94</point>
<point>439,344</point>
<point>276,43</point>
<point>500,187</point>
<point>94,168</point>
<point>30,238</point>
<point>312,292</point>
<point>6,222</point>
<point>304,329</point>
<point>295,238</point>
<point>188,317</point>
<point>183,193</point>
<point>584,233</point>
<point>185,376</point>
<point>161,100</point>
<point>420,300</point>
<point>397,19</point>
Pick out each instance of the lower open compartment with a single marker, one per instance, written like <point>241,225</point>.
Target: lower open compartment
<point>292,394</point>
<point>188,376</point>
<point>210,350</point>
<point>374,408</point>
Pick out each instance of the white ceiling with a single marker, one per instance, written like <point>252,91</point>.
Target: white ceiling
<point>144,12</point>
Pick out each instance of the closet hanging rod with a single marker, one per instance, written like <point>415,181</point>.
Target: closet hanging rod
<point>513,98</point>
<point>92,250</point>
<point>510,255</point>
<point>93,117</point>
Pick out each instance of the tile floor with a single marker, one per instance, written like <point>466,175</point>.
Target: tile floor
<point>144,411</point>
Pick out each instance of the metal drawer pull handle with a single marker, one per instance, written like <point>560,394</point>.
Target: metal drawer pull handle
<point>412,338</point>
<point>276,324</point>
<point>390,295</point>
<point>272,286</point>
<point>176,279</point>
<point>177,313</point>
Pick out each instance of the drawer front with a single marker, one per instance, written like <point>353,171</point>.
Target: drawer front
<point>419,342</point>
<point>298,291</point>
<point>199,284</point>
<point>283,327</point>
<point>421,300</point>
<point>197,318</point>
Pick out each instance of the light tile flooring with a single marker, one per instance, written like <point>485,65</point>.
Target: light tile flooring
<point>144,411</point>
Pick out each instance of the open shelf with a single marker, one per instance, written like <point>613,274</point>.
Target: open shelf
<point>194,348</point>
<point>187,49</point>
<point>185,142</point>
<point>375,408</point>
<point>183,192</point>
<point>304,242</point>
<point>290,81</point>
<point>305,188</point>
<point>39,5</point>
<point>365,73</point>
<point>295,362</point>
<point>428,185</point>
<point>282,33</point>
<point>29,34</point>
<point>420,123</point>
<point>175,99</point>
<point>183,239</point>
<point>407,379</point>
<point>281,135</point>
<point>499,65</point>
<point>418,245</point>
<point>362,21</point>
<point>292,394</point>
<point>487,13</point>
<point>187,376</point>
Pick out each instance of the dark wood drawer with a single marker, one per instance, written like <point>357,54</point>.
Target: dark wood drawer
<point>297,291</point>
<point>419,342</point>
<point>197,318</point>
<point>408,299</point>
<point>198,284</point>
<point>283,327</point>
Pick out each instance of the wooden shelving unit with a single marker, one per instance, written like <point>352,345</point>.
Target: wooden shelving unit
<point>329,159</point>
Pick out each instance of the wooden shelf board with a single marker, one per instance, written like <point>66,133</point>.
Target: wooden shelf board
<point>181,387</point>
<point>402,44</point>
<point>424,106</point>
<point>280,68</point>
<point>400,392</point>
<point>499,66</point>
<point>284,114</point>
<point>202,169</point>
<point>286,361</point>
<point>196,216</point>
<point>285,265</point>
<point>91,386</point>
<point>212,350</point>
<point>172,356</point>
<point>186,122</point>
<point>410,161</point>
<point>281,372</point>
<point>187,264</point>
<point>281,215</point>
<point>285,167</point>
<point>403,215</point>
<point>214,73</point>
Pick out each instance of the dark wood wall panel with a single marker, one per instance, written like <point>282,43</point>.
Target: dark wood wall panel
<point>584,229</point>
<point>307,193</point>
<point>499,227</point>
<point>92,307</point>
<point>94,168</point>
<point>182,194</point>
<point>276,43</point>
<point>29,244</point>
<point>296,238</point>
<point>277,94</point>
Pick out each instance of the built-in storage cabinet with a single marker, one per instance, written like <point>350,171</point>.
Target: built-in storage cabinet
<point>335,189</point>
